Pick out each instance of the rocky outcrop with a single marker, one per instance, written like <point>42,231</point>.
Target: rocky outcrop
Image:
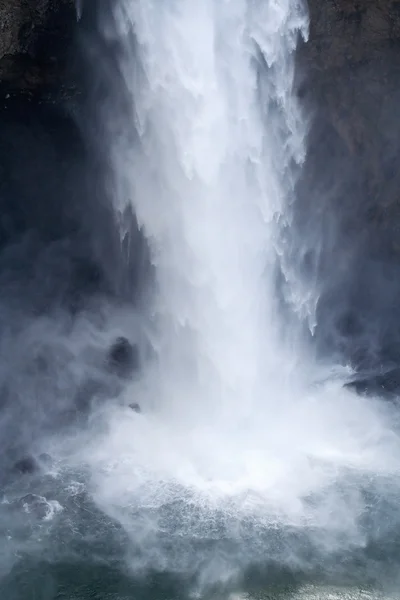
<point>35,40</point>
<point>350,32</point>
<point>348,201</point>
<point>351,64</point>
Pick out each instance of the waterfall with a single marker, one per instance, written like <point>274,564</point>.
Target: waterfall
<point>242,450</point>
<point>210,174</point>
<point>235,439</point>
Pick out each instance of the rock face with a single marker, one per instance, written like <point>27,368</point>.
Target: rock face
<point>349,32</point>
<point>35,38</point>
<point>353,82</point>
<point>350,85</point>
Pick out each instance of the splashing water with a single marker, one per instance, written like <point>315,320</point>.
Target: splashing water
<point>235,442</point>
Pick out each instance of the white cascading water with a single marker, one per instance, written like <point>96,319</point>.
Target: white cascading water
<point>205,186</point>
<point>233,433</point>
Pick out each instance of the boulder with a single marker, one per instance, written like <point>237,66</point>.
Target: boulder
<point>123,357</point>
<point>26,465</point>
<point>385,384</point>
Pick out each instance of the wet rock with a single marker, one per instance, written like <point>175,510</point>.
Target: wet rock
<point>386,384</point>
<point>123,357</point>
<point>26,465</point>
<point>35,37</point>
<point>349,79</point>
<point>121,361</point>
<point>347,207</point>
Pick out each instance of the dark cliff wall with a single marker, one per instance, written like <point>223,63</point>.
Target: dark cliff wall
<point>58,240</point>
<point>344,32</point>
<point>352,65</point>
<point>349,73</point>
<point>35,45</point>
<point>55,192</point>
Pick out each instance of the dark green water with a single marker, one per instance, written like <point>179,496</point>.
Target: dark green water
<point>78,553</point>
<point>82,581</point>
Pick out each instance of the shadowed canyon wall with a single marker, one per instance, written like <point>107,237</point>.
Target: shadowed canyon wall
<point>35,44</point>
<point>54,194</point>
<point>349,192</point>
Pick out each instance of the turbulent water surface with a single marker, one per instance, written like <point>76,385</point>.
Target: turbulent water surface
<point>249,470</point>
